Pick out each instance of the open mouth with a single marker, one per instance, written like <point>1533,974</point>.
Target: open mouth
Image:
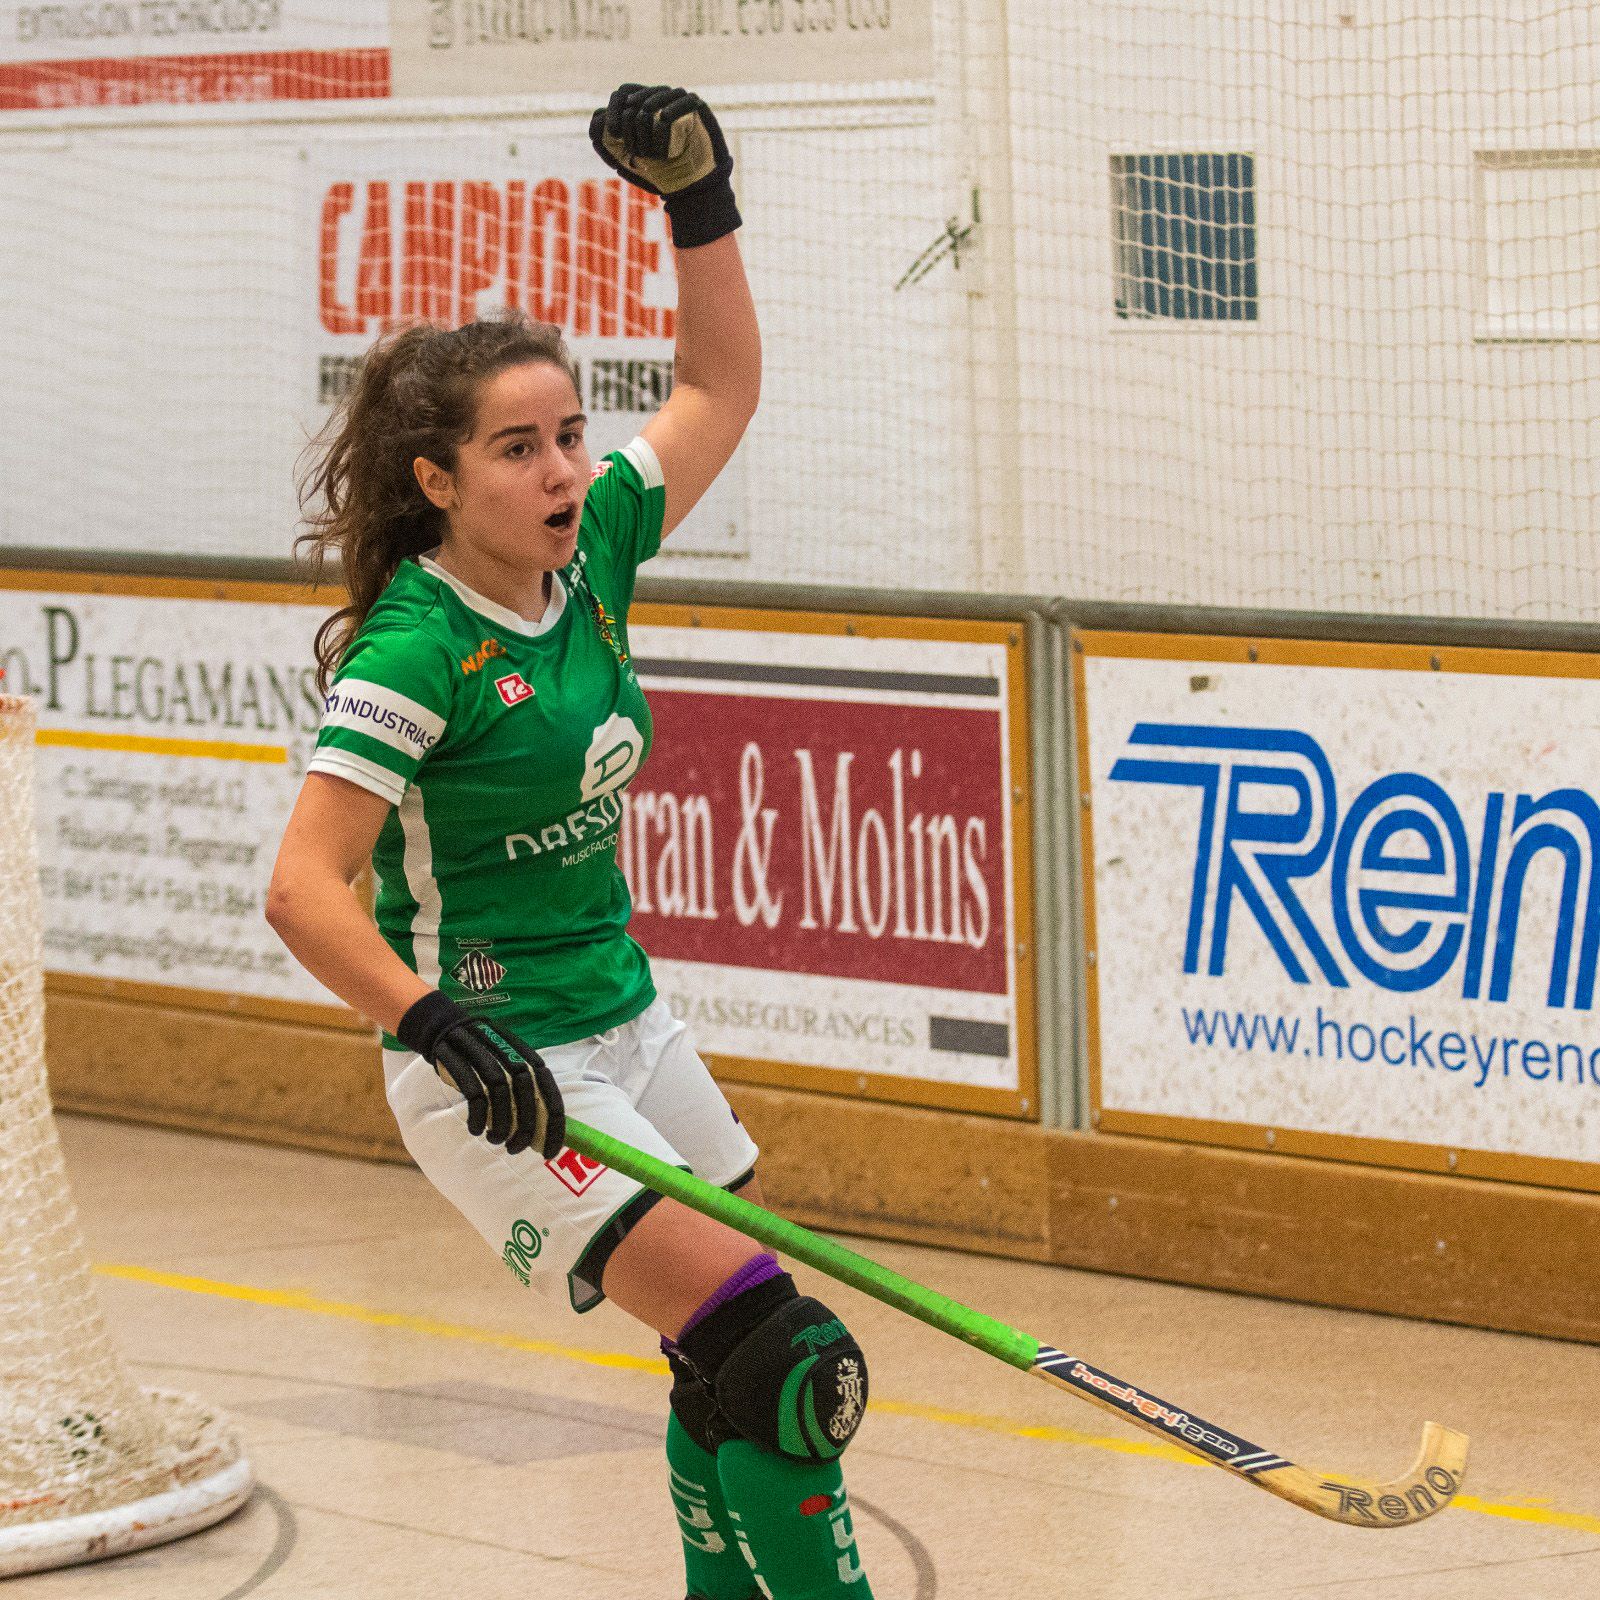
<point>561,521</point>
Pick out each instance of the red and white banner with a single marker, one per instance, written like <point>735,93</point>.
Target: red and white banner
<point>191,52</point>
<point>824,853</point>
<point>465,225</point>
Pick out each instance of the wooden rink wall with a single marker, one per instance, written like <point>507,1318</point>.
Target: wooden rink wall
<point>1490,1254</point>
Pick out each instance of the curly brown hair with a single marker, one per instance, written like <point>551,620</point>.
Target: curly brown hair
<point>416,395</point>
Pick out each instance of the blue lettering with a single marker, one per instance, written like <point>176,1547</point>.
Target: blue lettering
<point>1484,1058</point>
<point>1253,852</point>
<point>1402,810</point>
<point>1406,899</point>
<point>1568,822</point>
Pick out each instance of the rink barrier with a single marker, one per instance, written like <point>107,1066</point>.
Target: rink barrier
<point>1492,1253</point>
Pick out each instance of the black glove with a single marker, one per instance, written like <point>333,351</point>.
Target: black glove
<point>667,142</point>
<point>509,1089</point>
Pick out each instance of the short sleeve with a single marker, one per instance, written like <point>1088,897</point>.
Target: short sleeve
<point>385,711</point>
<point>624,512</point>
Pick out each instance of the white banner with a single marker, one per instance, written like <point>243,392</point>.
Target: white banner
<point>1347,896</point>
<point>173,734</point>
<point>467,49</point>
<point>464,225</point>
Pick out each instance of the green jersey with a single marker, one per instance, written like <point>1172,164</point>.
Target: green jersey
<point>505,746</point>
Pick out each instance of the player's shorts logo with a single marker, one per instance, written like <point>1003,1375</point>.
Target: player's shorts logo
<point>614,755</point>
<point>576,1172</point>
<point>514,689</point>
<point>522,1249</point>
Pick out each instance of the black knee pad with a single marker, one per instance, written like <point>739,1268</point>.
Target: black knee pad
<point>783,1370</point>
<point>695,1406</point>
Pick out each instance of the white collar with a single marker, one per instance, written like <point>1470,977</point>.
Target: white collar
<point>494,612</point>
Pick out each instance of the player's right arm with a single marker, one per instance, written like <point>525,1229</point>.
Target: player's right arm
<point>511,1096</point>
<point>387,709</point>
<point>313,907</point>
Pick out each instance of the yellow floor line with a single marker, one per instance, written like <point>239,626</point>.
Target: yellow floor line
<point>299,1300</point>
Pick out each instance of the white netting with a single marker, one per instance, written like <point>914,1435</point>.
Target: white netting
<point>89,1463</point>
<point>1289,306</point>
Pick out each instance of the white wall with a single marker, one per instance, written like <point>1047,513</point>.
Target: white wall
<point>1356,448</point>
<point>1359,447</point>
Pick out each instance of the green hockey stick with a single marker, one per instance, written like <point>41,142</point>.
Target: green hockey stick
<point>1428,1487</point>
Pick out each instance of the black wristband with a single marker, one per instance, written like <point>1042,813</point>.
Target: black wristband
<point>705,211</point>
<point>426,1022</point>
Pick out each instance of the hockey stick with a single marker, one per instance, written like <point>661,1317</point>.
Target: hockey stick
<point>1427,1487</point>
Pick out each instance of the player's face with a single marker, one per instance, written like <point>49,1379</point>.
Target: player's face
<point>521,477</point>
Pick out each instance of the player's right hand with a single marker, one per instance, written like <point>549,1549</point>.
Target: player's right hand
<point>512,1097</point>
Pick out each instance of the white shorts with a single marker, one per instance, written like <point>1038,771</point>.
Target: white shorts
<point>642,1083</point>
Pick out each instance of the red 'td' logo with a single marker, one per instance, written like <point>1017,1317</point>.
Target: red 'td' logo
<point>575,1171</point>
<point>513,690</point>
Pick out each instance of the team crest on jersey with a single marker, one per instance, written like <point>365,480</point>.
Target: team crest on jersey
<point>613,756</point>
<point>601,468</point>
<point>514,689</point>
<point>477,970</point>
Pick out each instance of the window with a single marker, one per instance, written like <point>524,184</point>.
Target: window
<point>1539,267</point>
<point>1185,231</point>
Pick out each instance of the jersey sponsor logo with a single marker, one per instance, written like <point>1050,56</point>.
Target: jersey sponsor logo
<point>487,651</point>
<point>614,755</point>
<point>604,814</point>
<point>348,706</point>
<point>576,1172</point>
<point>477,970</point>
<point>514,689</point>
<point>522,1249</point>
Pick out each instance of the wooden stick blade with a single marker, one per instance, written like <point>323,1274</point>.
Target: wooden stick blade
<point>1428,1487</point>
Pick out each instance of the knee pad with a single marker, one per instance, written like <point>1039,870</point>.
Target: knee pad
<point>694,1405</point>
<point>783,1369</point>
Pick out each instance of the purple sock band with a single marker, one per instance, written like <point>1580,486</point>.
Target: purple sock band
<point>758,1269</point>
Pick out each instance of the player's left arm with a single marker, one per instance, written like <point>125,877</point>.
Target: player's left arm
<point>667,142</point>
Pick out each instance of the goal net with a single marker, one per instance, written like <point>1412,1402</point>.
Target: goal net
<point>91,1465</point>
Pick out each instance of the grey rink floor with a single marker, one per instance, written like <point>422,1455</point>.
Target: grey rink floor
<point>423,1428</point>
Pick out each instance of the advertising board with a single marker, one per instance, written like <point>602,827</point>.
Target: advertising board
<point>467,49</point>
<point>829,850</point>
<point>175,721</point>
<point>1342,899</point>
<point>191,52</point>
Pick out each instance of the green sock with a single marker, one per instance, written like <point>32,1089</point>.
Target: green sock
<point>793,1524</point>
<point>713,1563</point>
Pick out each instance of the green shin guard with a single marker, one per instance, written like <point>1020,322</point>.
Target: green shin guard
<point>793,1524</point>
<point>714,1565</point>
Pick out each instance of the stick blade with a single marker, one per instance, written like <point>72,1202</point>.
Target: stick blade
<point>1426,1489</point>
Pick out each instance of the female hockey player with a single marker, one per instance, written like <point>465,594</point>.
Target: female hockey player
<point>482,722</point>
